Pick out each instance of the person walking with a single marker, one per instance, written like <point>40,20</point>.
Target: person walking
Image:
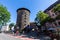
<point>12,29</point>
<point>17,32</point>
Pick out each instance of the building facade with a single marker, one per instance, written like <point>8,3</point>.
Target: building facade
<point>53,15</point>
<point>33,25</point>
<point>23,15</point>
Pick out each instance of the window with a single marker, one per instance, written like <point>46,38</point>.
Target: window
<point>52,14</point>
<point>24,21</point>
<point>25,18</point>
<point>56,13</point>
<point>25,15</point>
<point>21,13</point>
<point>55,23</point>
<point>59,23</point>
<point>24,24</point>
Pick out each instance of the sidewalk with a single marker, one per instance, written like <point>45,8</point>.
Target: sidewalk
<point>31,36</point>
<point>23,37</point>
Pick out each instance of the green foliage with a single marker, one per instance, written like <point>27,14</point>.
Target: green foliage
<point>11,25</point>
<point>41,16</point>
<point>45,20</point>
<point>56,8</point>
<point>4,14</point>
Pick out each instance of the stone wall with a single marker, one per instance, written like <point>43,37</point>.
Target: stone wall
<point>23,18</point>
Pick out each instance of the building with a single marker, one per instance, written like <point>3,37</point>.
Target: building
<point>33,25</point>
<point>5,28</point>
<point>49,9</point>
<point>53,15</point>
<point>23,15</point>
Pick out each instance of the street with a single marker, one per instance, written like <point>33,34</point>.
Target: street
<point>4,36</point>
<point>7,37</point>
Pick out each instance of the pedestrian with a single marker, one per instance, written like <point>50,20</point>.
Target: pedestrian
<point>14,32</point>
<point>17,32</point>
<point>12,29</point>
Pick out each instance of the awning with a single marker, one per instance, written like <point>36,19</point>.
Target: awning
<point>52,29</point>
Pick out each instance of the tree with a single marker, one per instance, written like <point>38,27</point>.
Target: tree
<point>41,16</point>
<point>11,25</point>
<point>56,8</point>
<point>37,22</point>
<point>41,19</point>
<point>4,15</point>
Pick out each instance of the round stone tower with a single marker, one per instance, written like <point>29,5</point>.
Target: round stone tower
<point>23,15</point>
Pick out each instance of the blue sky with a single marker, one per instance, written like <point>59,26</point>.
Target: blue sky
<point>33,5</point>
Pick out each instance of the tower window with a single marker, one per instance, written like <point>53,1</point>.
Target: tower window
<point>24,24</point>
<point>24,18</point>
<point>25,15</point>
<point>24,21</point>
<point>56,13</point>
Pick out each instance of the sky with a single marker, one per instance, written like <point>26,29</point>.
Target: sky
<point>33,5</point>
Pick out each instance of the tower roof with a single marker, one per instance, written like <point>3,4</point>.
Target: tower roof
<point>22,9</point>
